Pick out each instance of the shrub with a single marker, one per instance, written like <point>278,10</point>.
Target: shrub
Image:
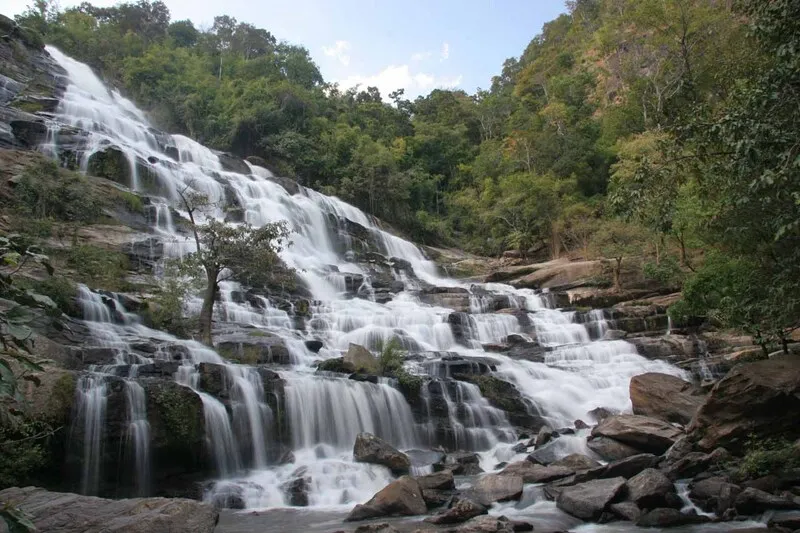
<point>45,191</point>
<point>21,452</point>
<point>97,267</point>
<point>767,456</point>
<point>667,272</point>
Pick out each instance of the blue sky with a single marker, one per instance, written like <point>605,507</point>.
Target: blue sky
<point>418,45</point>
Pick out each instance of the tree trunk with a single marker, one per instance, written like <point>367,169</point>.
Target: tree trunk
<point>618,275</point>
<point>207,311</point>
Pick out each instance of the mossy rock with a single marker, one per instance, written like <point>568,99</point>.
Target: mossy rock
<point>505,396</point>
<point>336,364</point>
<point>176,418</point>
<point>111,163</point>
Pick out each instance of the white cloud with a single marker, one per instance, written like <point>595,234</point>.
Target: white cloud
<point>396,77</point>
<point>445,51</point>
<point>421,56</point>
<point>339,51</point>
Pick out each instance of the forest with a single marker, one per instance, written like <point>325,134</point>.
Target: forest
<point>626,127</point>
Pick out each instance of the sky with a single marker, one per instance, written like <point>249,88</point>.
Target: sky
<point>416,45</point>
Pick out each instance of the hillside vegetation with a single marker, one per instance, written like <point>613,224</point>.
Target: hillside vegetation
<point>627,127</point>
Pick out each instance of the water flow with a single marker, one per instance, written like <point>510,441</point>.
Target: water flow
<point>579,371</point>
<point>138,435</point>
<point>90,417</point>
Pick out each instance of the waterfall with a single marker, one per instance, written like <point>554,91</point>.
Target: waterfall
<point>138,435</point>
<point>360,284</point>
<point>90,416</point>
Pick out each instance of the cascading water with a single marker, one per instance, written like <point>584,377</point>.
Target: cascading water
<point>352,299</point>
<point>138,435</point>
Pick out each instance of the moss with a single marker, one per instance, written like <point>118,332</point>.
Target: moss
<point>111,164</point>
<point>246,354</point>
<point>335,365</point>
<point>99,268</point>
<point>29,106</point>
<point>179,416</point>
<point>132,202</point>
<point>61,398</point>
<point>767,456</point>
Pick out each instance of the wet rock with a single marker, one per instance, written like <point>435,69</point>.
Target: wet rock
<point>436,498</point>
<point>402,497</point>
<point>761,399</point>
<point>253,350</point>
<point>370,449</point>
<point>233,163</point>
<point>544,436</point>
<point>314,345</point>
<point>547,454</point>
<point>361,359</point>
<point>456,298</point>
<point>461,464</point>
<point>715,494</point>
<point>536,473</point>
<point>610,449</point>
<point>788,520</point>
<point>752,501</point>
<point>626,511</point>
<point>576,462</point>
<point>630,466</point>
<point>580,424</point>
<point>492,488</point>
<point>664,397</point>
<point>213,379</point>
<point>505,396</point>
<point>641,432</point>
<point>614,335</point>
<point>650,489</point>
<point>29,133</point>
<point>662,517</point>
<point>111,163</point>
<point>227,496</point>
<point>461,325</point>
<point>529,351</point>
<point>336,364</point>
<point>461,510</point>
<point>693,463</point>
<point>73,513</point>
<point>601,413</point>
<point>487,524</point>
<point>297,488</point>
<point>383,527</point>
<point>588,500</point>
<point>438,480</point>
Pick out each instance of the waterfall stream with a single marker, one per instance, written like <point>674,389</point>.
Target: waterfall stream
<point>324,412</point>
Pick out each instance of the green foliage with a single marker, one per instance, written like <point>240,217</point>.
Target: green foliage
<point>390,360</point>
<point>97,267</point>
<point>46,192</point>
<point>666,272</point>
<point>60,290</point>
<point>21,452</point>
<point>167,310</point>
<point>132,201</point>
<point>767,456</point>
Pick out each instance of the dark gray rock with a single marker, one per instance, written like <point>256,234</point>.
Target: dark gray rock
<point>715,494</point>
<point>461,510</point>
<point>370,449</point>
<point>588,500</point>
<point>402,497</point>
<point>438,481</point>
<point>626,511</point>
<point>630,466</point>
<point>491,488</point>
<point>650,489</point>
<point>752,501</point>
<point>73,513</point>
<point>663,517</point>
<point>536,473</point>
<point>610,449</point>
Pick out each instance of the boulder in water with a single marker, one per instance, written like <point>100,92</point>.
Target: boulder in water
<point>402,497</point>
<point>491,488</point>
<point>296,489</point>
<point>761,398</point>
<point>752,501</point>
<point>233,163</point>
<point>576,462</point>
<point>370,449</point>
<point>630,466</point>
<point>489,524</point>
<point>461,510</point>
<point>714,494</point>
<point>641,432</point>
<point>663,517</point>
<point>626,511</point>
<point>587,501</point>
<point>74,513</point>
<point>544,436</point>
<point>461,464</point>
<point>438,481</point>
<point>650,489</point>
<point>536,473</point>
<point>665,397</point>
<point>361,359</point>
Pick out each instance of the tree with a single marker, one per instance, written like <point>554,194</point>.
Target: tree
<point>616,240</point>
<point>230,252</point>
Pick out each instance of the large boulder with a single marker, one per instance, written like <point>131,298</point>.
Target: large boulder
<point>461,510</point>
<point>535,473</point>
<point>402,497</point>
<point>437,481</point>
<point>630,466</point>
<point>576,462</point>
<point>714,494</point>
<point>665,397</point>
<point>370,449</point>
<point>587,501</point>
<point>761,398</point>
<point>650,489</point>
<point>490,524</point>
<point>73,513</point>
<point>361,359</point>
<point>492,488</point>
<point>641,432</point>
<point>663,517</point>
<point>610,449</point>
<point>752,501</point>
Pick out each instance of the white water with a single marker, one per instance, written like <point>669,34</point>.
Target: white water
<point>325,413</point>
